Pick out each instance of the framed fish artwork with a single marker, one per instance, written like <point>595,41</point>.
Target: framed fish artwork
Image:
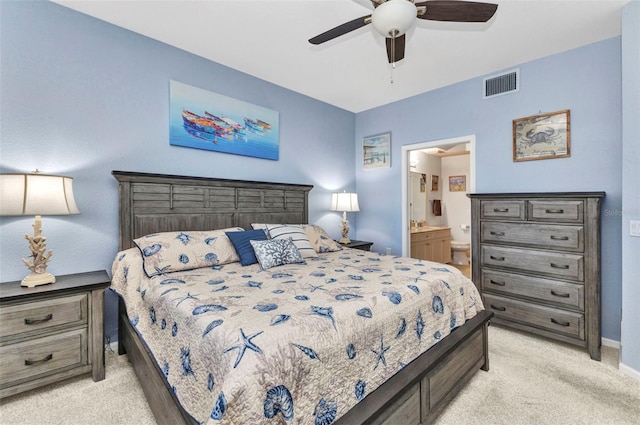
<point>202,119</point>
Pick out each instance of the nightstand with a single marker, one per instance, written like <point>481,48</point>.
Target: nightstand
<point>362,245</point>
<point>51,332</point>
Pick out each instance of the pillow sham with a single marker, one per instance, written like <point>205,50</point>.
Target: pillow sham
<point>176,251</point>
<point>320,240</point>
<point>276,252</point>
<point>240,241</point>
<point>296,233</point>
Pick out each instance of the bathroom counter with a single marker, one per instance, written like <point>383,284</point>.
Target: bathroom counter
<point>427,229</point>
<point>431,243</point>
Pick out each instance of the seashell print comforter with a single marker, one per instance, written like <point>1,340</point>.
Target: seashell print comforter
<point>296,344</point>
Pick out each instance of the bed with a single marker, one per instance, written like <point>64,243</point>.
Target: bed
<point>410,367</point>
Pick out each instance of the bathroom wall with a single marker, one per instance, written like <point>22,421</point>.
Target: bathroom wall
<point>456,206</point>
<point>418,199</point>
<point>421,202</point>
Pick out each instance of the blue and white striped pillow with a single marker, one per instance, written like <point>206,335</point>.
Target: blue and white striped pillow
<point>297,235</point>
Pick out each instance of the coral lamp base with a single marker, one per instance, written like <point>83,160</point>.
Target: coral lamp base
<point>37,279</point>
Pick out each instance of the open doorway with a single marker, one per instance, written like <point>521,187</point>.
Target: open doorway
<point>430,202</point>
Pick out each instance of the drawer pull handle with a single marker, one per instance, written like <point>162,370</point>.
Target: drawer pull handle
<point>560,294</point>
<point>550,211</point>
<point>497,283</point>
<point>501,210</point>
<point>35,362</point>
<point>559,266</point>
<point>500,308</point>
<point>37,321</point>
<point>559,238</point>
<point>496,258</point>
<point>497,233</point>
<point>554,321</point>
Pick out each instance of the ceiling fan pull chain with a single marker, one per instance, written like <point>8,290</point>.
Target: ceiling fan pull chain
<point>393,33</point>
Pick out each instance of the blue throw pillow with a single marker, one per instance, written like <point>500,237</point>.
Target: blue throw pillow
<point>240,241</point>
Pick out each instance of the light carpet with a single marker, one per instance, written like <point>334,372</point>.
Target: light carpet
<point>531,381</point>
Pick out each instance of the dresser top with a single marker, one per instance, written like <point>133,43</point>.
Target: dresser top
<point>539,195</point>
<point>12,291</point>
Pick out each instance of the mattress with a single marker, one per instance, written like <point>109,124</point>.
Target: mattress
<point>295,344</point>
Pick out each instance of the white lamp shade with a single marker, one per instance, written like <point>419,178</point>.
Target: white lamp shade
<point>36,194</point>
<point>394,17</point>
<point>344,201</point>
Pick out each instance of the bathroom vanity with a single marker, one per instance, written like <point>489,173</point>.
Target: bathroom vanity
<point>431,243</point>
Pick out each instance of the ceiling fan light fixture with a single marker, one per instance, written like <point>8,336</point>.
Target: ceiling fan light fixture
<point>394,17</point>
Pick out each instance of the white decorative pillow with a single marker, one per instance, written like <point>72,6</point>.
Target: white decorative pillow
<point>296,233</point>
<point>174,251</point>
<point>276,252</point>
<point>320,240</point>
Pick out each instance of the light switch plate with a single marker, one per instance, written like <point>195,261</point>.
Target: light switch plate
<point>634,228</point>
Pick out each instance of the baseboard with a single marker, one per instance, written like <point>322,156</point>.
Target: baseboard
<point>610,343</point>
<point>628,371</point>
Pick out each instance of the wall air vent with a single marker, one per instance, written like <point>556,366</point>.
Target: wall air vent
<point>505,83</point>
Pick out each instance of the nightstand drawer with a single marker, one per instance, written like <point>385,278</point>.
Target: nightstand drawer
<point>547,318</point>
<point>568,266</point>
<point>509,210</point>
<point>563,294</point>
<point>25,360</point>
<point>542,235</point>
<point>21,319</point>
<point>566,211</point>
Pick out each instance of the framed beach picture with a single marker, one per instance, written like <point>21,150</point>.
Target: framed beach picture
<point>435,182</point>
<point>542,136</point>
<point>376,151</point>
<point>202,119</point>
<point>457,183</point>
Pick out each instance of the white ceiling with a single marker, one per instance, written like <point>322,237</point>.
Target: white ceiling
<point>268,39</point>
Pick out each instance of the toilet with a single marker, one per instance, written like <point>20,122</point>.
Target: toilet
<point>459,253</point>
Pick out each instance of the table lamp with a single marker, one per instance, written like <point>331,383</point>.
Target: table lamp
<point>345,202</point>
<point>37,194</point>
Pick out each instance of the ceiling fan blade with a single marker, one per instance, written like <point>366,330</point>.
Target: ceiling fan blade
<point>456,11</point>
<point>341,30</point>
<point>395,48</point>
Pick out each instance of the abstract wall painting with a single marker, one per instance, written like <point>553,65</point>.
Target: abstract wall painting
<point>202,119</point>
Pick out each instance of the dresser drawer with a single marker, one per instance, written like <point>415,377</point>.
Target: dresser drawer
<point>506,210</point>
<point>430,235</point>
<point>566,211</point>
<point>544,290</point>
<point>21,319</point>
<point>25,360</point>
<point>548,318</point>
<point>568,266</point>
<point>543,235</point>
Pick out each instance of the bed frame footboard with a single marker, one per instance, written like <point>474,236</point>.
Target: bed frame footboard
<point>415,395</point>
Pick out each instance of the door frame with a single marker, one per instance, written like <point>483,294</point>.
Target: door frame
<point>406,149</point>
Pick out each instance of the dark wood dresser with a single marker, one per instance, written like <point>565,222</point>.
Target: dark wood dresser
<point>536,262</point>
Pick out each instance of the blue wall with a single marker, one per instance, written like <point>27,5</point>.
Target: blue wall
<point>585,80</point>
<point>630,356</point>
<point>81,97</point>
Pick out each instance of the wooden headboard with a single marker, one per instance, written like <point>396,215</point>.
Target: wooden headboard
<point>150,203</point>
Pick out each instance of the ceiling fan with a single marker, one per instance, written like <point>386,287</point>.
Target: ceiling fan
<point>393,18</point>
